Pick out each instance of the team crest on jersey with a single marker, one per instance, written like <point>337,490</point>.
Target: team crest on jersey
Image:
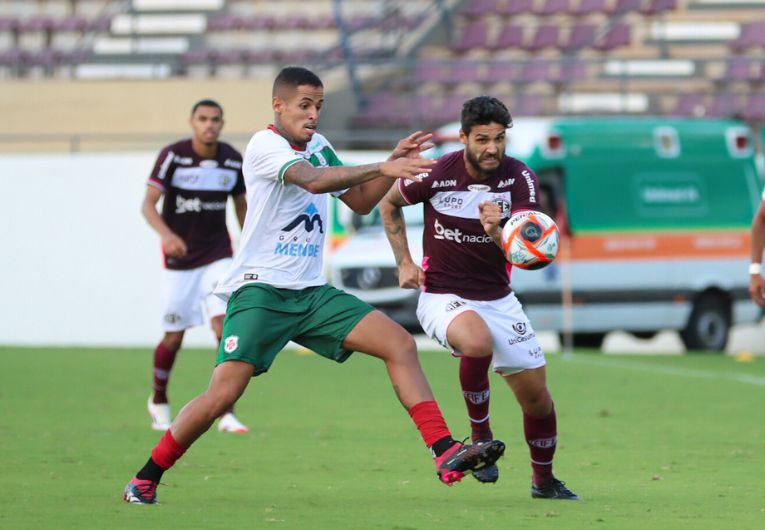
<point>505,183</point>
<point>479,187</point>
<point>224,180</point>
<point>504,206</point>
<point>520,328</point>
<point>231,344</point>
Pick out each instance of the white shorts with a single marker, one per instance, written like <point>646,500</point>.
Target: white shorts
<point>515,343</point>
<point>185,292</point>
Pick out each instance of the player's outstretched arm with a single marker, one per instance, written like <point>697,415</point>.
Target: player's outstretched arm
<point>328,179</point>
<point>410,276</point>
<point>173,245</point>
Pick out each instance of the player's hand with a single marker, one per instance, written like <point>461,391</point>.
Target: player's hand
<point>412,145</point>
<point>174,246</point>
<point>410,276</point>
<point>490,215</point>
<point>407,168</point>
<point>757,289</point>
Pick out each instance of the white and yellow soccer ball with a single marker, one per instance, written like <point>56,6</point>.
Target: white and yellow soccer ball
<point>530,240</point>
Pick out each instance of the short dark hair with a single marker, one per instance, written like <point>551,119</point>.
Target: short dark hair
<point>483,110</point>
<point>293,77</point>
<point>206,103</point>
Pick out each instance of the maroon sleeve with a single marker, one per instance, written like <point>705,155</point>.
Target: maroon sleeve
<point>162,173</point>
<point>525,190</point>
<point>239,187</point>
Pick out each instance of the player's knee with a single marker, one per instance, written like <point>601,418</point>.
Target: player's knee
<point>538,403</point>
<point>476,345</point>
<point>173,341</point>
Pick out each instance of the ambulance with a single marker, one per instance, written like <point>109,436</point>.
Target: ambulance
<point>656,214</point>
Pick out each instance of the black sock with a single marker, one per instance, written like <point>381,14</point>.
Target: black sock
<point>151,471</point>
<point>443,445</point>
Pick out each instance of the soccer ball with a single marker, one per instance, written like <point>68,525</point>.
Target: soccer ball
<point>530,240</point>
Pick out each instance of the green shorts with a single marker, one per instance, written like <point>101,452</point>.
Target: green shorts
<point>261,320</point>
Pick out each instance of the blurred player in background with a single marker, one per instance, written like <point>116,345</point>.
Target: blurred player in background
<point>756,281</point>
<point>466,303</point>
<point>276,289</point>
<point>196,177</point>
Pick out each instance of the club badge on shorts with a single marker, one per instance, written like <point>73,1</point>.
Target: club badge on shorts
<point>230,344</point>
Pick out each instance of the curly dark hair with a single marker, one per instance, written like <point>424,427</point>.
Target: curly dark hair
<point>483,110</point>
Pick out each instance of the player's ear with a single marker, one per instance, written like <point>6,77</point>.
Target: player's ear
<point>277,104</point>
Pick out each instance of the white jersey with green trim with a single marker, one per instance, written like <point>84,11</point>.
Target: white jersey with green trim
<point>282,240</point>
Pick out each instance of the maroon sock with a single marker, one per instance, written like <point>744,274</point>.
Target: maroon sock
<point>474,378</point>
<point>167,451</point>
<point>430,422</point>
<point>542,436</point>
<point>163,363</point>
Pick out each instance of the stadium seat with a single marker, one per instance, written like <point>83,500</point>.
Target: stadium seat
<point>752,35</point>
<point>477,8</point>
<point>553,7</point>
<point>257,22</point>
<point>738,69</point>
<point>223,23</point>
<point>571,70</point>
<point>430,71</point>
<point>74,23</point>
<point>588,7</point>
<point>463,71</point>
<point>101,24</point>
<point>37,23</point>
<point>618,35</point>
<point>510,36</point>
<point>527,105</point>
<point>515,7</point>
<point>625,6</point>
<point>656,7</point>
<point>501,71</point>
<point>580,36</point>
<point>473,36</point>
<point>535,70</point>
<point>546,36</point>
<point>724,105</point>
<point>689,105</point>
<point>755,107</point>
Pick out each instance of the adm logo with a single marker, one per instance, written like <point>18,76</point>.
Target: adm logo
<point>310,217</point>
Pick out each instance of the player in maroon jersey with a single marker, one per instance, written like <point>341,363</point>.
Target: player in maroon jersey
<point>196,177</point>
<point>466,303</point>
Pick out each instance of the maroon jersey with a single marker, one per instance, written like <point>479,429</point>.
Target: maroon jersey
<point>196,191</point>
<point>458,256</point>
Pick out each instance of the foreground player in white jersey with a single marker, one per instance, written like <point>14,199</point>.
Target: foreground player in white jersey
<point>276,290</point>
<point>466,302</point>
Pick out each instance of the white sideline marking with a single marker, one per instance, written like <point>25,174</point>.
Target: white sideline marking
<point>668,370</point>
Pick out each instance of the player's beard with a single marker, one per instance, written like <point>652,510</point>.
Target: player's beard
<point>483,173</point>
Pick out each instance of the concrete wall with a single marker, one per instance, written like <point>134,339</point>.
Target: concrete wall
<point>111,114</point>
<point>80,265</point>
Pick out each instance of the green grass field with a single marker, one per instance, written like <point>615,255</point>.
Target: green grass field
<point>665,442</point>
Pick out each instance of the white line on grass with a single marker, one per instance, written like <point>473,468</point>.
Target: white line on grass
<point>666,370</point>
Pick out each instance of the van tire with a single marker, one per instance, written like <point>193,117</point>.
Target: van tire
<point>584,340</point>
<point>708,327</point>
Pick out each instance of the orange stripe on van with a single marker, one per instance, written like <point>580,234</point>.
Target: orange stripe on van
<point>646,246</point>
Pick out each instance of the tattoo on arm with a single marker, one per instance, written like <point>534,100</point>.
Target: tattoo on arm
<point>395,228</point>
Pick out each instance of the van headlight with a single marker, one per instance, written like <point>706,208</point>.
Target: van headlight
<point>370,277</point>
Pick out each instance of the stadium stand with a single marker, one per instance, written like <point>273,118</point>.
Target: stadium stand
<point>683,57</point>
